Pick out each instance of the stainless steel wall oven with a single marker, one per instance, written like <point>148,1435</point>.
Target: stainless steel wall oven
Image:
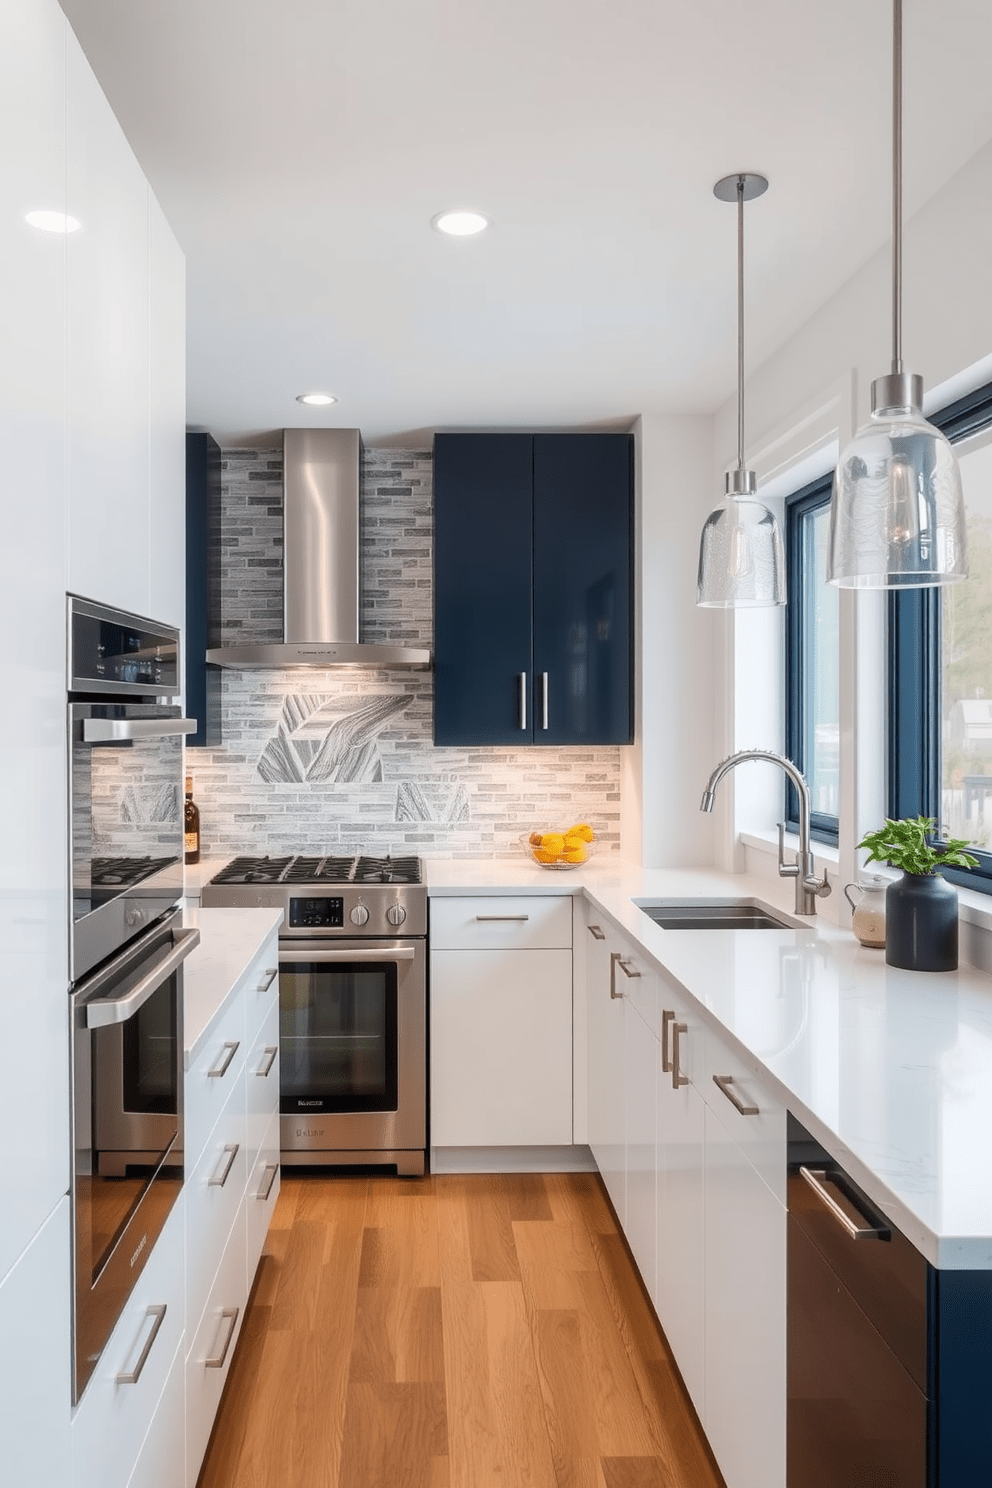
<point>126,949</point>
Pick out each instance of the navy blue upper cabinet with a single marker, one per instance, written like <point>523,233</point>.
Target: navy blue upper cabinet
<point>533,597</point>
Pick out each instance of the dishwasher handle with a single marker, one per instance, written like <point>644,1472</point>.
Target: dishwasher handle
<point>818,1178</point>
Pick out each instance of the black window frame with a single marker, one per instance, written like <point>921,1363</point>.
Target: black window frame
<point>799,507</point>
<point>913,642</point>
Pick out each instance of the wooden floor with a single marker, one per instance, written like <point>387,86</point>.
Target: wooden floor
<point>451,1332</point>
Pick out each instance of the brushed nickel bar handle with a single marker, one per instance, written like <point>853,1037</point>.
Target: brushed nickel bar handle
<point>232,1150</point>
<point>625,967</point>
<point>225,1065</point>
<point>271,972</point>
<point>122,730</point>
<point>678,1078</point>
<point>596,932</point>
<point>218,1361</point>
<point>817,1178</point>
<point>263,1193</point>
<point>544,700</point>
<point>724,1083</point>
<point>667,1018</point>
<point>523,699</point>
<point>614,958</point>
<point>132,1376</point>
<point>491,919</point>
<point>265,1069</point>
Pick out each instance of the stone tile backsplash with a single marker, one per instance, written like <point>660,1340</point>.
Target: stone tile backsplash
<point>343,761</point>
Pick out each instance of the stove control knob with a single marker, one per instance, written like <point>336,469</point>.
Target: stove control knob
<point>396,914</point>
<point>359,915</point>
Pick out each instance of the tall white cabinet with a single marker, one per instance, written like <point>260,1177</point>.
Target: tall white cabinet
<point>92,432</point>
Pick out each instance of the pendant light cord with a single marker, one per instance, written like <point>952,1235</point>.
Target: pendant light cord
<point>740,320</point>
<point>897,186</point>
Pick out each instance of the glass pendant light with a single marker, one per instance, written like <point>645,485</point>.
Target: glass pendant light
<point>897,512</point>
<point>741,561</point>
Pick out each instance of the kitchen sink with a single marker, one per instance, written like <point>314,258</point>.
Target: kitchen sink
<point>714,914</point>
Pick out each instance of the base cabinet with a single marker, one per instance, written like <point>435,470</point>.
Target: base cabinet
<point>607,1065</point>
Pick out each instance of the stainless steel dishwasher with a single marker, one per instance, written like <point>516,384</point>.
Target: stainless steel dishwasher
<point>857,1334</point>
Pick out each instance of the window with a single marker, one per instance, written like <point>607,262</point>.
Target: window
<point>812,710</point>
<point>940,669</point>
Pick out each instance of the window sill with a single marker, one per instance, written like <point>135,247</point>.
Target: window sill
<point>767,842</point>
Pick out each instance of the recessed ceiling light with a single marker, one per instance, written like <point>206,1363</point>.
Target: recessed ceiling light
<point>53,222</point>
<point>460,224</point>
<point>316,400</point>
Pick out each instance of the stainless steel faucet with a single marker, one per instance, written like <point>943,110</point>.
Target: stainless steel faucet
<point>808,887</point>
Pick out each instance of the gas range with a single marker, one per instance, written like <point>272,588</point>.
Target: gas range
<point>327,894</point>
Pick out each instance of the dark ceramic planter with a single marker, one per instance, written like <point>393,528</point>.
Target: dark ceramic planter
<point>921,923</point>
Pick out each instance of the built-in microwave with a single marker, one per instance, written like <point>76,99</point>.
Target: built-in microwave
<point>125,778</point>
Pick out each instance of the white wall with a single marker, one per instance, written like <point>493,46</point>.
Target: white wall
<point>665,770</point>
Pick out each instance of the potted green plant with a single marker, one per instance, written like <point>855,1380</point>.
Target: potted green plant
<point>921,907</point>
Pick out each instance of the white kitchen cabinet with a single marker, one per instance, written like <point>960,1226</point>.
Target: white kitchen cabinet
<point>501,1048</point>
<point>607,1062</point>
<point>162,1459</point>
<point>167,415</point>
<point>745,1402</point>
<point>108,351</point>
<point>35,1367</point>
<point>680,1188</point>
<point>33,876</point>
<point>120,1401</point>
<point>640,1141</point>
<point>212,1350</point>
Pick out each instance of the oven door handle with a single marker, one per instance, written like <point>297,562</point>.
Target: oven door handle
<point>119,730</point>
<point>370,953</point>
<point>102,1012</point>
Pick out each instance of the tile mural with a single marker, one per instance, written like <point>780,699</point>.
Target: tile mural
<point>343,761</point>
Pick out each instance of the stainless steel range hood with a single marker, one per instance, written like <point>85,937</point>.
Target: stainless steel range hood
<point>321,595</point>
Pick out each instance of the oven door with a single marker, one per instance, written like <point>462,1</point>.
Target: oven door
<point>127,1110</point>
<point>352,1045</point>
<point>126,822</point>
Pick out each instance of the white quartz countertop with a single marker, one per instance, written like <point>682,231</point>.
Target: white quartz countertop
<point>891,1070</point>
<point>230,939</point>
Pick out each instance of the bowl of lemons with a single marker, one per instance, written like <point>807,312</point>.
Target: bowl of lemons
<point>561,849</point>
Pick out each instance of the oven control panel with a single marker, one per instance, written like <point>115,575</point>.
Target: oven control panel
<point>316,913</point>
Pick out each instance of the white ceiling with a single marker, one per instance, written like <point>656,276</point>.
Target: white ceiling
<point>299,148</point>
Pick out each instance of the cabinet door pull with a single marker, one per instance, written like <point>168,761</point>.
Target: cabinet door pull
<point>217,1362</point>
<point>132,1376</point>
<point>544,700</point>
<point>265,1069</point>
<point>596,932</point>
<point>523,699</point>
<point>232,1150</point>
<point>221,1070</point>
<point>266,1188</point>
<point>678,1078</point>
<point>491,918</point>
<point>724,1083</point>
<point>614,958</point>
<point>818,1178</point>
<point>667,1018</point>
<point>628,969</point>
<point>271,972</point>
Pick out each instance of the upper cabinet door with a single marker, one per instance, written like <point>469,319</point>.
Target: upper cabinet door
<point>108,342</point>
<point>583,594</point>
<point>483,544</point>
<point>167,406</point>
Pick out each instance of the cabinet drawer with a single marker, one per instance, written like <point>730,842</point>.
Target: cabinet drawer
<point>262,1080</point>
<point>214,1193</point>
<point>210,1081</point>
<point>113,1417</point>
<point>210,1356</point>
<point>261,987</point>
<point>634,980</point>
<point>261,1195</point>
<point>161,1463</point>
<point>759,1129</point>
<point>533,922</point>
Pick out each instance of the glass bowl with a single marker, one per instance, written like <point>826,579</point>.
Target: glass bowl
<point>561,863</point>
